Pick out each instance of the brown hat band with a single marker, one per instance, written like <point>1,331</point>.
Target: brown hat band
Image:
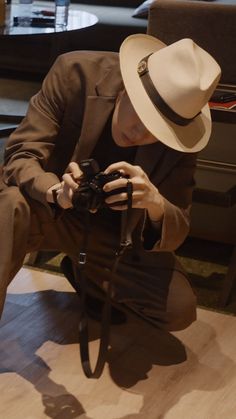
<point>156,98</point>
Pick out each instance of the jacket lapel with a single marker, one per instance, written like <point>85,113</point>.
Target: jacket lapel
<point>148,156</point>
<point>97,111</point>
<point>156,160</point>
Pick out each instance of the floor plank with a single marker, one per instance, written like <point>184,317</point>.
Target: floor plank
<point>150,374</point>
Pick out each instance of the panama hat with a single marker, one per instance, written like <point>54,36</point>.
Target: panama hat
<point>169,88</point>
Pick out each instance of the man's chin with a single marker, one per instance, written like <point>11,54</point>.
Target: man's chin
<point>122,140</point>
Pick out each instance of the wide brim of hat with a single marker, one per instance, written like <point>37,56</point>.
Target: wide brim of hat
<point>191,138</point>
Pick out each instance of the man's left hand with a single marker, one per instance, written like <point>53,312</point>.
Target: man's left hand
<point>145,194</point>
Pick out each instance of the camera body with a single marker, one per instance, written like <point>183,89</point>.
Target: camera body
<point>90,194</point>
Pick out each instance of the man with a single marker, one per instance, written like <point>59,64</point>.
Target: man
<point>143,112</point>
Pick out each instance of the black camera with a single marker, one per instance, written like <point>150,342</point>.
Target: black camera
<point>90,194</point>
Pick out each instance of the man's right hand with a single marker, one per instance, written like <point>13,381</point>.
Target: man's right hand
<point>66,188</point>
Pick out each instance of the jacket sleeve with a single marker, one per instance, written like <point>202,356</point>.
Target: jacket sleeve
<point>31,144</point>
<point>177,191</point>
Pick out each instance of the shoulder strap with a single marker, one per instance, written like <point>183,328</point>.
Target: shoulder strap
<point>83,324</point>
<point>79,275</point>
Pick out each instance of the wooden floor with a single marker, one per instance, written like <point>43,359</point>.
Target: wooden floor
<point>149,375</point>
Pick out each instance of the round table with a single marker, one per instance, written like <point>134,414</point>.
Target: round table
<point>32,50</point>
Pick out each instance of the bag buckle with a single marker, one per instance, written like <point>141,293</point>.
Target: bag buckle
<point>82,258</point>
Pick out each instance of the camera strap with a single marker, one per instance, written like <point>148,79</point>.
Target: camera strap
<point>79,275</point>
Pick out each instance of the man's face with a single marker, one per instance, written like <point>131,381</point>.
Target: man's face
<point>127,128</point>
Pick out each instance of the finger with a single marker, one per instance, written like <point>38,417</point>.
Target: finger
<point>75,170</point>
<point>122,207</point>
<point>122,166</point>
<point>63,200</point>
<point>66,191</point>
<point>118,207</point>
<point>116,198</point>
<point>69,181</point>
<point>126,197</point>
<point>115,184</point>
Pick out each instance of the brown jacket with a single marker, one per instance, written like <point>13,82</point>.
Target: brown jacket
<point>63,124</point>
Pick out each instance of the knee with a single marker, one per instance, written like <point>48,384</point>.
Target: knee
<point>12,196</point>
<point>181,303</point>
<point>13,206</point>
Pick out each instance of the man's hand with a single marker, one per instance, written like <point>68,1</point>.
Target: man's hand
<point>66,188</point>
<point>145,194</point>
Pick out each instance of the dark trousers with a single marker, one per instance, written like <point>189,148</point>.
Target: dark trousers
<point>155,286</point>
